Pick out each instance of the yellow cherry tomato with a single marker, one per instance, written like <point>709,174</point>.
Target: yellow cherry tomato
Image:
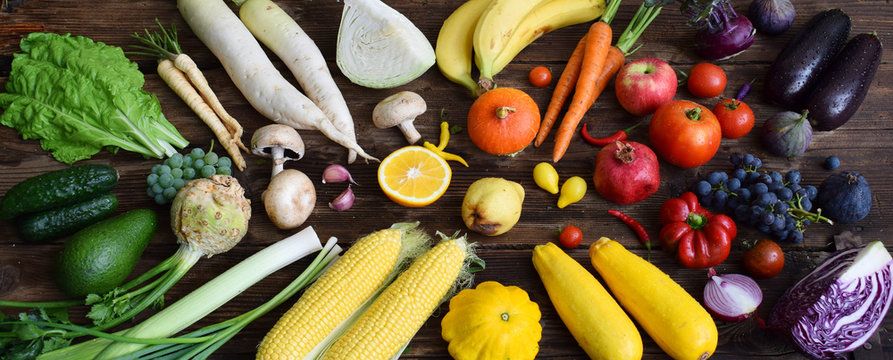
<point>572,191</point>
<point>545,176</point>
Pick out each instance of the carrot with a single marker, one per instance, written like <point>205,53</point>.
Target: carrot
<point>613,62</point>
<point>614,59</point>
<point>568,79</point>
<point>179,83</point>
<point>183,76</point>
<point>597,45</point>
<point>566,83</point>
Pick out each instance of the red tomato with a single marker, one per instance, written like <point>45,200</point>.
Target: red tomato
<point>540,76</point>
<point>570,237</point>
<point>706,80</point>
<point>764,260</point>
<point>735,118</point>
<point>685,133</point>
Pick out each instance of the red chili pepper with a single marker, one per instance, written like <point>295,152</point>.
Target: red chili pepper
<point>620,135</point>
<point>633,224</point>
<point>698,238</point>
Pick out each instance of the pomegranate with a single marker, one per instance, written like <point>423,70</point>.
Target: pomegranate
<point>626,172</point>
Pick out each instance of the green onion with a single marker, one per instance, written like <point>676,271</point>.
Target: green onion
<point>204,300</point>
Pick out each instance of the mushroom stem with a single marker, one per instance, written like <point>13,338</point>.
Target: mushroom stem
<point>409,131</point>
<point>278,160</point>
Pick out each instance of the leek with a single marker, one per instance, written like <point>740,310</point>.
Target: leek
<point>199,212</point>
<point>134,343</point>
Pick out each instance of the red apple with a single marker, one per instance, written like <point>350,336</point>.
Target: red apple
<point>644,84</point>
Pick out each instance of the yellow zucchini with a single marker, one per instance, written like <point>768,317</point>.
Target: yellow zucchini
<point>668,313</point>
<point>595,320</point>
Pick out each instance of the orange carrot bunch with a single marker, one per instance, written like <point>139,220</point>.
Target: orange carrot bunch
<point>593,64</point>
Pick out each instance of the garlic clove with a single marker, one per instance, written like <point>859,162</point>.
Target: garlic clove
<point>336,173</point>
<point>343,201</point>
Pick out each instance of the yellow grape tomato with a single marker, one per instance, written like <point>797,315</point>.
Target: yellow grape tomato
<point>572,191</point>
<point>545,176</point>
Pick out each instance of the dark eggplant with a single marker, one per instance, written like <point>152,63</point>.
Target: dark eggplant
<point>842,87</point>
<point>797,68</point>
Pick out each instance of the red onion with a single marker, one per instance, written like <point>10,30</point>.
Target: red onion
<point>731,297</point>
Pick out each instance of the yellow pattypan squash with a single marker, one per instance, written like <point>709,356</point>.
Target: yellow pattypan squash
<point>492,322</point>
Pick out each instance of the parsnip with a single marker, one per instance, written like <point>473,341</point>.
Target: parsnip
<point>185,64</point>
<point>254,74</point>
<point>184,77</point>
<point>180,84</point>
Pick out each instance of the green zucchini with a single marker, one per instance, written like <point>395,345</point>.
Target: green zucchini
<point>57,188</point>
<point>58,222</point>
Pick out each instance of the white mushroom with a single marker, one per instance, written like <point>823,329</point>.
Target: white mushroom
<point>289,199</point>
<point>278,142</point>
<point>400,110</point>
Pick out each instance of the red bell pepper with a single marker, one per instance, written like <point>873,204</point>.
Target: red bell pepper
<point>699,238</point>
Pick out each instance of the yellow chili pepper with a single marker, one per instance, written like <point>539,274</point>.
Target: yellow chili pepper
<point>444,140</point>
<point>445,155</point>
<point>444,135</point>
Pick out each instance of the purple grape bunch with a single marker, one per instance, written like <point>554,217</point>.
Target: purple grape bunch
<point>774,203</point>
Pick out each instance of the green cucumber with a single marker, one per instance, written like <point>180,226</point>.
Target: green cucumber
<point>57,188</point>
<point>98,258</point>
<point>58,222</point>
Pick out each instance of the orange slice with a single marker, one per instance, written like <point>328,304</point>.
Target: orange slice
<point>414,176</point>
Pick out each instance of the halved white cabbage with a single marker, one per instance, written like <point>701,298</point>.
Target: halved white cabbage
<point>380,48</point>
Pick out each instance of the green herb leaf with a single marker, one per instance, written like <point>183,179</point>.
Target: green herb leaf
<point>92,299</point>
<point>29,340</point>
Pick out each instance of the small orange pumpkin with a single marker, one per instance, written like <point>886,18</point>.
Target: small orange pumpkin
<point>503,121</point>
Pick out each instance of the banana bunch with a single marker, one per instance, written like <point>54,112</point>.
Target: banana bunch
<point>495,31</point>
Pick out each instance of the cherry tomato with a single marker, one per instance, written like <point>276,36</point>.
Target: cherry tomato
<point>706,80</point>
<point>684,133</point>
<point>764,260</point>
<point>735,118</point>
<point>570,237</point>
<point>540,76</point>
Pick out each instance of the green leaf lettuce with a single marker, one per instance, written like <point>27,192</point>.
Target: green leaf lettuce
<point>78,96</point>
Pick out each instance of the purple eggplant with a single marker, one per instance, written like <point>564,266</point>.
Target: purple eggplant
<point>842,87</point>
<point>798,67</point>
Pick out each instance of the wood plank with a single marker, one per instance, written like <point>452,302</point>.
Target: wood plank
<point>862,145</point>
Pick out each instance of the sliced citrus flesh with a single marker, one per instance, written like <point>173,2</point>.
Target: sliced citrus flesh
<point>414,176</point>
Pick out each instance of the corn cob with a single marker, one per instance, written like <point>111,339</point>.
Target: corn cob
<point>340,291</point>
<point>404,306</point>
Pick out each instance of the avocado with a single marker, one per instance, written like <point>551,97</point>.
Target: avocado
<point>99,257</point>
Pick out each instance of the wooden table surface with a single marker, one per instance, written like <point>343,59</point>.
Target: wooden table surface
<point>863,145</point>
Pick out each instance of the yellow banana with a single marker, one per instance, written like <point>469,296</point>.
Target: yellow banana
<point>547,16</point>
<point>454,43</point>
<point>494,30</point>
